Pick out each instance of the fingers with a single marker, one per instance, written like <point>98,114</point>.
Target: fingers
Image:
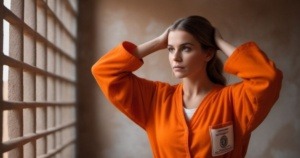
<point>166,33</point>
<point>217,34</point>
<point>164,38</point>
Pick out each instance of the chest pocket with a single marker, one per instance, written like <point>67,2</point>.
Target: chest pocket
<point>222,138</point>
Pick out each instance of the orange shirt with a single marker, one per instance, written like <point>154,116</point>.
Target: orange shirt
<point>222,124</point>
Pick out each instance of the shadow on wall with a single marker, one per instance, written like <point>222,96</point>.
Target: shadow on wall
<point>285,142</point>
<point>289,144</point>
<point>86,95</point>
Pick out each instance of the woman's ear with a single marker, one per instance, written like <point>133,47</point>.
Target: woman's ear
<point>210,54</point>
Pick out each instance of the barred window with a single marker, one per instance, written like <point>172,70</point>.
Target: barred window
<point>38,71</point>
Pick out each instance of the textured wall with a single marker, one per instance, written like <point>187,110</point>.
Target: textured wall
<point>274,25</point>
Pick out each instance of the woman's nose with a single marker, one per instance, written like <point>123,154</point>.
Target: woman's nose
<point>177,56</point>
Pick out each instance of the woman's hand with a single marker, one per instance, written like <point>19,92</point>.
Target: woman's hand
<point>154,45</point>
<point>222,44</point>
<point>218,37</point>
<point>163,39</point>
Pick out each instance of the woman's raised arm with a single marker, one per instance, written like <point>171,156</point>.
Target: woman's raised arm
<point>223,45</point>
<point>154,45</point>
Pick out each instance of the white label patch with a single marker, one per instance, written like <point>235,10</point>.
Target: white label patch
<point>222,139</point>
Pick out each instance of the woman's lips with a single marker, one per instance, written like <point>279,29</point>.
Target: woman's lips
<point>178,68</point>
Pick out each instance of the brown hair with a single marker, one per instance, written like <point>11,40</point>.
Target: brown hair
<point>203,32</point>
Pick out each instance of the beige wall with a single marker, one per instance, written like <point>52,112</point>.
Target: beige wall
<point>274,25</point>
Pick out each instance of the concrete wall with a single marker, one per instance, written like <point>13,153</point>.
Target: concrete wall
<point>274,25</point>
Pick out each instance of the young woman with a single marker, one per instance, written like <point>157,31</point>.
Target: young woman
<point>201,116</point>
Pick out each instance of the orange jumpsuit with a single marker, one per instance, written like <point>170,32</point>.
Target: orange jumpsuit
<point>223,122</point>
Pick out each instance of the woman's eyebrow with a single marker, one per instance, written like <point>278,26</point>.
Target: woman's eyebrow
<point>183,44</point>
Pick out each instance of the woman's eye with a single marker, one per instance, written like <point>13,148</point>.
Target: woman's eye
<point>186,49</point>
<point>170,50</point>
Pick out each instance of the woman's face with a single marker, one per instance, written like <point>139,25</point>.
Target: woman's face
<point>186,56</point>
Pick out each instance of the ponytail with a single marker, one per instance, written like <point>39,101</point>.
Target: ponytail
<point>214,70</point>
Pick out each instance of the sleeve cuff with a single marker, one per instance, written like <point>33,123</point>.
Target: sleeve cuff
<point>133,62</point>
<point>231,61</point>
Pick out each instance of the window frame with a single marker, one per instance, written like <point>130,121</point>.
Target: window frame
<point>68,61</point>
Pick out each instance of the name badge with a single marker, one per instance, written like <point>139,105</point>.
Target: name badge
<point>222,140</point>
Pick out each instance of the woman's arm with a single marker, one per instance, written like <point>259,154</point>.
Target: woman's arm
<point>253,98</point>
<point>224,46</point>
<point>154,45</point>
<point>130,94</point>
